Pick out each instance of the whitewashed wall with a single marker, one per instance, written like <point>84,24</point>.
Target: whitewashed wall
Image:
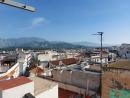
<point>19,91</point>
<point>52,92</point>
<point>44,57</point>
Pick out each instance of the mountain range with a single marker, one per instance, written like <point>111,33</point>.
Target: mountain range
<point>33,42</point>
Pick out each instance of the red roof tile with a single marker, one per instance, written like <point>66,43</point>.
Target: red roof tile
<point>68,61</point>
<point>37,70</point>
<point>67,94</point>
<point>7,84</point>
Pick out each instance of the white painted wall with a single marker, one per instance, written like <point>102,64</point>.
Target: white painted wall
<point>44,57</point>
<point>47,73</point>
<point>98,60</point>
<point>123,49</point>
<point>19,91</point>
<point>53,55</point>
<point>52,92</point>
<point>24,67</point>
<point>113,55</point>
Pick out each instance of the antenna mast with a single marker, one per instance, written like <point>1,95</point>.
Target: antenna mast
<point>101,46</point>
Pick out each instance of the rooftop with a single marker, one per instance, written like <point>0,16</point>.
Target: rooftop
<point>37,70</point>
<point>41,85</point>
<point>7,84</point>
<point>68,61</point>
<point>66,93</point>
<point>123,63</point>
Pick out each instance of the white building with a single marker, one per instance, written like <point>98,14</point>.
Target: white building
<point>17,69</point>
<point>22,87</point>
<point>24,60</point>
<point>54,55</point>
<point>48,56</point>
<point>97,59</point>
<point>124,51</point>
<point>51,56</point>
<point>16,88</point>
<point>112,56</point>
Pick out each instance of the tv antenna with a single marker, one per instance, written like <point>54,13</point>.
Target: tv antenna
<point>101,35</point>
<point>18,5</point>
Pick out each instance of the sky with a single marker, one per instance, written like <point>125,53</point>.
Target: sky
<point>68,20</point>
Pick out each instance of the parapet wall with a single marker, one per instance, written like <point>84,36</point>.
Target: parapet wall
<point>84,80</point>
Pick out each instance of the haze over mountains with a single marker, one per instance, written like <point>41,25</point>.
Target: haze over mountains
<point>89,44</point>
<point>32,42</point>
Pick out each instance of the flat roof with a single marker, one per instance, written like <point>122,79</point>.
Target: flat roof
<point>41,85</point>
<point>122,63</point>
<point>7,84</point>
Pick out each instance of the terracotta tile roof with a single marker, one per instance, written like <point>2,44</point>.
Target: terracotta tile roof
<point>37,70</point>
<point>66,93</point>
<point>7,84</point>
<point>4,78</point>
<point>68,61</point>
<point>54,62</point>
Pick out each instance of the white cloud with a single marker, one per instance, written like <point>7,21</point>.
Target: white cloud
<point>38,21</point>
<point>33,24</point>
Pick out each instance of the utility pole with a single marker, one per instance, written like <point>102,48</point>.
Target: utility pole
<point>18,5</point>
<point>101,36</point>
<point>101,46</point>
